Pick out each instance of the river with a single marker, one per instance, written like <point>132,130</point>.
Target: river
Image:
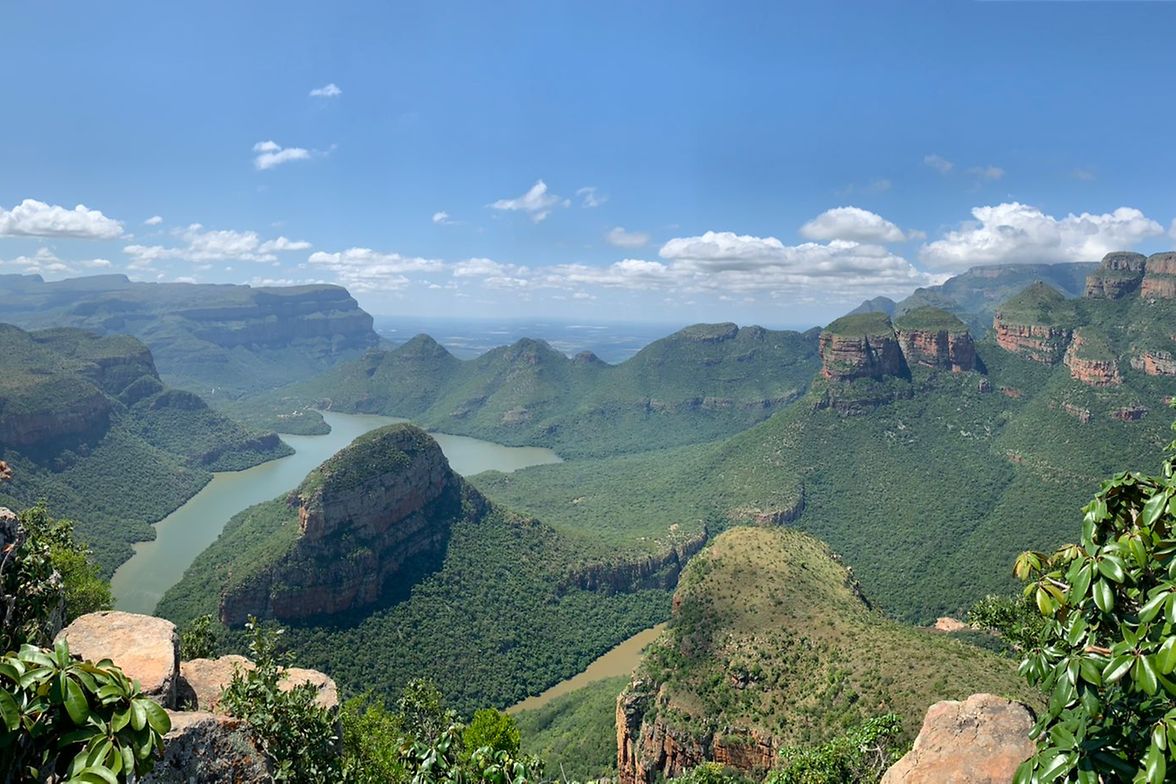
<point>621,660</point>
<point>157,565</point>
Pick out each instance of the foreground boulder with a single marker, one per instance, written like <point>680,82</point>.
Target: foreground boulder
<point>979,741</point>
<point>203,680</point>
<point>206,749</point>
<point>146,649</point>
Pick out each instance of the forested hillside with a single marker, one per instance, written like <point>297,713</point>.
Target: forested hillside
<point>701,383</point>
<point>86,422</point>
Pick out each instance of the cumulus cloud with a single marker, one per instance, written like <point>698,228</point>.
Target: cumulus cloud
<point>45,262</point>
<point>32,218</point>
<point>1013,233</point>
<point>326,91</point>
<point>626,239</point>
<point>938,163</point>
<point>990,173</point>
<point>852,223</point>
<point>590,198</point>
<point>154,220</point>
<point>271,154</point>
<point>536,203</point>
<point>200,245</point>
<point>364,269</point>
<point>441,217</point>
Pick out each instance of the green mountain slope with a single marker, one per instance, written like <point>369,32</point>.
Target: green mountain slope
<point>699,384</point>
<point>221,341</point>
<point>771,644</point>
<point>86,422</point>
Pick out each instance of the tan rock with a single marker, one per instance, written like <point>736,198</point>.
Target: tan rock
<point>203,748</point>
<point>949,624</point>
<point>203,680</point>
<point>979,741</point>
<point>147,649</point>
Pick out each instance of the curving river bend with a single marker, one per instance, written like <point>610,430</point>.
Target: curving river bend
<point>157,565</point>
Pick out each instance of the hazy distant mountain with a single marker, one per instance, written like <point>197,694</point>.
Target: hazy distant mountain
<point>222,341</point>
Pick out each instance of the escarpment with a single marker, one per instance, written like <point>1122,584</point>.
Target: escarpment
<point>1090,361</point>
<point>934,338</point>
<point>1036,324</point>
<point>1120,275</point>
<point>377,511</point>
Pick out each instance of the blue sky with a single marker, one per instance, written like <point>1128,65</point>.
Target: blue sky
<point>676,161</point>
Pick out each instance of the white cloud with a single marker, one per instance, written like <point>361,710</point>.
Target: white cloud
<point>852,223</point>
<point>590,198</point>
<point>938,163</point>
<point>271,154</point>
<point>486,268</point>
<point>441,217</point>
<point>45,262</point>
<point>32,218</point>
<point>154,220</point>
<point>1019,233</point>
<point>326,91</point>
<point>364,269</point>
<point>990,173</point>
<point>201,245</point>
<point>626,239</point>
<point>537,202</point>
<point>1172,229</point>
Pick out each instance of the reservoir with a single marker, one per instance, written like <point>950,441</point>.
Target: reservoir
<point>621,660</point>
<point>157,565</point>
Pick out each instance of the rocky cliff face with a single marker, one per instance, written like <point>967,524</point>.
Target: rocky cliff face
<point>278,317</point>
<point>1119,276</point>
<point>1098,371</point>
<point>1155,363</point>
<point>1159,282</point>
<point>659,570</point>
<point>378,508</point>
<point>848,357</point>
<point>935,338</point>
<point>1040,343</point>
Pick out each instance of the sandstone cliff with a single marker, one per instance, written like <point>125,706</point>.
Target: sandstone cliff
<point>1090,361</point>
<point>937,339</point>
<point>863,345</point>
<point>379,508</point>
<point>1119,276</point>
<point>1159,281</point>
<point>1036,324</point>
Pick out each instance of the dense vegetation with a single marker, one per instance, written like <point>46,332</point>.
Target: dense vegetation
<point>86,421</point>
<point>575,734</point>
<point>1107,650</point>
<point>701,383</point>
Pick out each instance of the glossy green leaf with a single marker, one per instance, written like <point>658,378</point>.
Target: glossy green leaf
<point>75,702</point>
<point>1104,597</point>
<point>9,711</point>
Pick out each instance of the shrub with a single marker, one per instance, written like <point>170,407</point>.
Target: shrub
<point>1108,650</point>
<point>440,761</point>
<point>291,728</point>
<point>198,640</point>
<point>492,729</point>
<point>60,718</point>
<point>860,756</point>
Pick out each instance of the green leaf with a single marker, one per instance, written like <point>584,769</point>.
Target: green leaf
<point>1081,584</point>
<point>1166,656</point>
<point>157,717</point>
<point>1104,597</point>
<point>138,715</point>
<point>1111,567</point>
<point>9,712</point>
<point>75,702</point>
<point>1145,675</point>
<point>95,775</point>
<point>1153,606</point>
<point>1153,508</point>
<point>1117,667</point>
<point>1156,766</point>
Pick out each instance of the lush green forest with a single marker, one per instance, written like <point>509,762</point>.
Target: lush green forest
<point>575,734</point>
<point>86,422</point>
<point>701,383</point>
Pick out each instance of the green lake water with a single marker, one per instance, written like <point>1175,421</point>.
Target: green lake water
<point>157,565</point>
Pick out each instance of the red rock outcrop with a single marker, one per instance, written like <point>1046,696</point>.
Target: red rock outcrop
<point>1155,363</point>
<point>979,741</point>
<point>846,357</point>
<point>382,504</point>
<point>657,570</point>
<point>1159,282</point>
<point>1040,343</point>
<point>1102,372</point>
<point>942,349</point>
<point>1078,412</point>
<point>1119,276</point>
<point>649,750</point>
<point>1129,413</point>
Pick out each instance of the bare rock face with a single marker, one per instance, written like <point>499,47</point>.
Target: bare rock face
<point>1102,371</point>
<point>1119,276</point>
<point>1129,413</point>
<point>364,515</point>
<point>1155,363</point>
<point>942,349</point>
<point>203,680</point>
<point>1159,282</point>
<point>979,741</point>
<point>948,624</point>
<point>847,357</point>
<point>203,748</point>
<point>146,649</point>
<point>1040,343</point>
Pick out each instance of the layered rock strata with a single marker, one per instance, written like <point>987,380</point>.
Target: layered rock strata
<point>1119,276</point>
<point>1102,371</point>
<point>383,505</point>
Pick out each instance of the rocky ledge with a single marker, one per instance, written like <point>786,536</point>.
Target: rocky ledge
<point>981,740</point>
<point>1036,324</point>
<point>934,338</point>
<point>380,506</point>
<point>1155,363</point>
<point>1124,275</point>
<point>204,746</point>
<point>1091,363</point>
<point>863,345</point>
<point>1159,281</point>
